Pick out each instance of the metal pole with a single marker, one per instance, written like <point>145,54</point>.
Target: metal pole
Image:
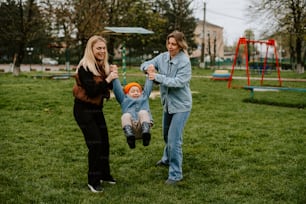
<point>203,39</point>
<point>67,55</point>
<point>124,63</point>
<point>30,52</point>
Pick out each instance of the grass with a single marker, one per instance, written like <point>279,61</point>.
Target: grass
<point>235,151</point>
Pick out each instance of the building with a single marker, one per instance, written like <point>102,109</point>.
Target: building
<point>213,36</point>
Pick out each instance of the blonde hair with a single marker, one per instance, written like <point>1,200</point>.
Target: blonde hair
<point>89,61</point>
<point>180,39</point>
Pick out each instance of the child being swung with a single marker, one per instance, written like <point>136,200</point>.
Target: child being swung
<point>136,117</point>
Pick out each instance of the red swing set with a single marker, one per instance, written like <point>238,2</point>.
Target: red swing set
<point>244,42</point>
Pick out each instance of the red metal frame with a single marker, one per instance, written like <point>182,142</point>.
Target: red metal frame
<point>244,42</point>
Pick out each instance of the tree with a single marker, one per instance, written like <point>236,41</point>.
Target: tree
<point>70,23</point>
<point>249,35</point>
<point>21,27</point>
<point>8,29</point>
<point>60,17</point>
<point>133,13</point>
<point>179,17</point>
<point>65,17</point>
<point>91,17</point>
<point>286,18</point>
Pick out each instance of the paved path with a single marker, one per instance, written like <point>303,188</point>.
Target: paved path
<point>244,78</point>
<point>258,78</point>
<point>26,68</point>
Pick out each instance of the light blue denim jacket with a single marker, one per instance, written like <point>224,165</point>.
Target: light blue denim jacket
<point>132,105</point>
<point>174,76</point>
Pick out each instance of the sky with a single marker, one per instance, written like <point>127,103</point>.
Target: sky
<point>229,14</point>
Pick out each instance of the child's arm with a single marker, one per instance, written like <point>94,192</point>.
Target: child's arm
<point>153,62</point>
<point>148,86</point>
<point>117,89</point>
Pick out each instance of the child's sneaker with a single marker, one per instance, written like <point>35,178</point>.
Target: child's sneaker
<point>131,141</point>
<point>146,137</point>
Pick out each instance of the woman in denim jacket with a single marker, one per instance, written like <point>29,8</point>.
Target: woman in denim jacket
<point>173,74</point>
<point>136,119</point>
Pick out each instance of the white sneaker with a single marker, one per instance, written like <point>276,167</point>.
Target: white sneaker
<point>96,189</point>
<point>110,181</point>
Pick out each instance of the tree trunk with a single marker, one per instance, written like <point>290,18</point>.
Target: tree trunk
<point>299,68</point>
<point>298,49</point>
<point>16,70</point>
<point>16,67</point>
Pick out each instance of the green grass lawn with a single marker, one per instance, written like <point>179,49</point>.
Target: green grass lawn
<point>235,150</point>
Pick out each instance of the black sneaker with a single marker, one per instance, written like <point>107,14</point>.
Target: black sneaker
<point>109,180</point>
<point>131,141</point>
<point>95,189</point>
<point>146,137</point>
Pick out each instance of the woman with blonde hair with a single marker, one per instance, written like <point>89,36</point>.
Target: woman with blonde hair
<point>93,84</point>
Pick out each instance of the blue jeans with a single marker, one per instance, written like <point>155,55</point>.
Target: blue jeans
<point>173,127</point>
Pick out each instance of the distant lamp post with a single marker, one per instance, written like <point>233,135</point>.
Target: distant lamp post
<point>30,52</point>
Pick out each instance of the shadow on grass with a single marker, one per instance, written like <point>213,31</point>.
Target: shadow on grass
<point>275,103</point>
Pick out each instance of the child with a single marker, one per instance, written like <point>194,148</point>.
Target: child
<point>136,119</point>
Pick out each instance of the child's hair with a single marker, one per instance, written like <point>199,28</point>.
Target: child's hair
<point>129,86</point>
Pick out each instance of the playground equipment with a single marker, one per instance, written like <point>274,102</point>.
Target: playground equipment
<point>245,42</point>
<point>252,89</point>
<point>125,31</point>
<point>220,75</point>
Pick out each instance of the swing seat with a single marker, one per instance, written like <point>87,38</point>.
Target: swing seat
<point>138,137</point>
<point>138,134</point>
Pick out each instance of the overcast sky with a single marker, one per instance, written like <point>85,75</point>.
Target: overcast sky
<point>228,14</point>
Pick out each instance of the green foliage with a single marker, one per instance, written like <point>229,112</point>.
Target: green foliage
<point>179,17</point>
<point>9,29</point>
<point>21,26</point>
<point>283,19</point>
<point>234,151</point>
<point>40,24</point>
<point>162,17</point>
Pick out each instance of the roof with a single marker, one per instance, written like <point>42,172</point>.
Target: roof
<point>126,30</point>
<point>208,23</point>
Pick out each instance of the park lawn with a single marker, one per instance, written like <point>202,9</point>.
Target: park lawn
<point>235,150</point>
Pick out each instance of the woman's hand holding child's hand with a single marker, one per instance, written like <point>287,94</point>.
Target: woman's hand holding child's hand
<point>113,73</point>
<point>113,67</point>
<point>151,72</point>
